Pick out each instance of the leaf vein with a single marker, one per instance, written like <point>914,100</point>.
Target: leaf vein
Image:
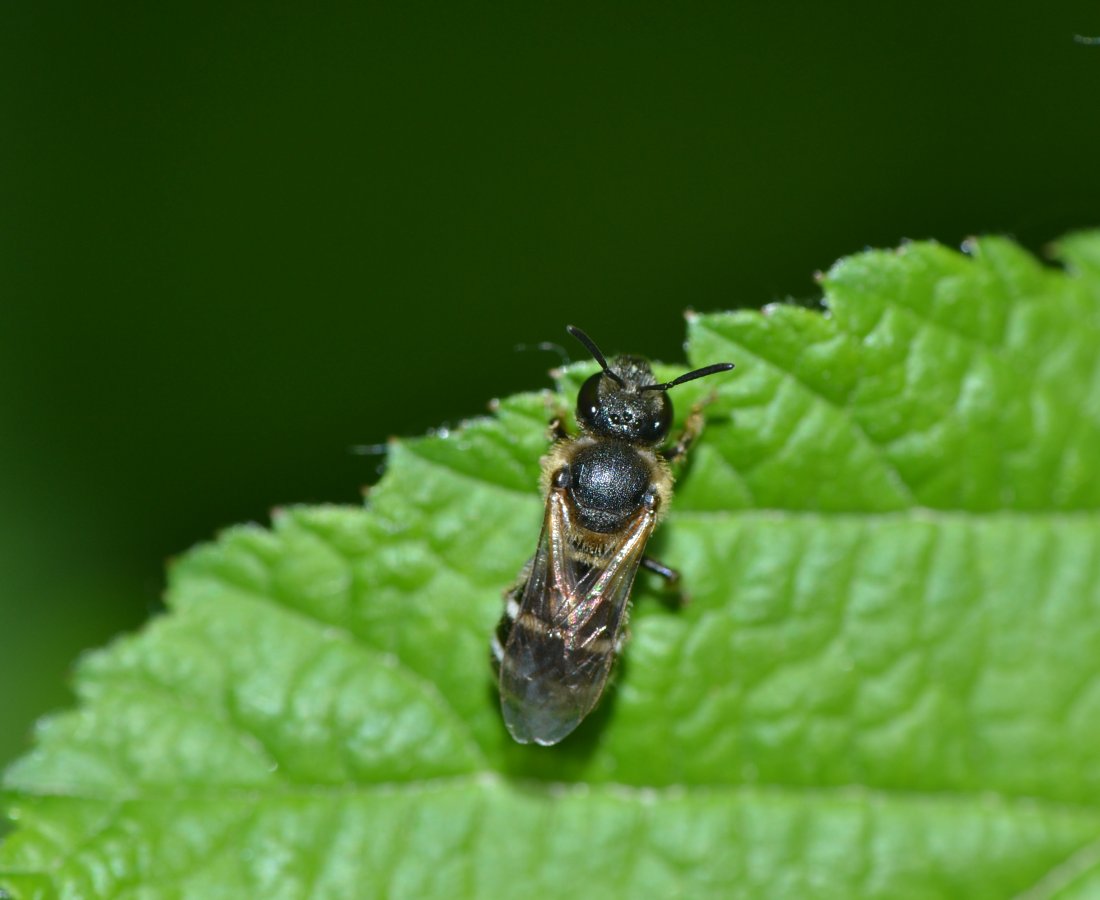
<point>878,450</point>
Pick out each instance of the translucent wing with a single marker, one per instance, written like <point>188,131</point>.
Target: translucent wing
<point>567,617</point>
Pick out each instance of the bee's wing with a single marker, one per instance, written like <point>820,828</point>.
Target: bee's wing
<point>562,643</point>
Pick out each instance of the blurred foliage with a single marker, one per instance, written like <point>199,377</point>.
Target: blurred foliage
<point>238,240</point>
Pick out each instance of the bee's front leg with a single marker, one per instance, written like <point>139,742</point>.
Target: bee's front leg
<point>693,427</point>
<point>556,430</point>
<point>559,415</point>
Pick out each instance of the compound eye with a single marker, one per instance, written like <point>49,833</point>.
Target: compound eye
<point>658,426</point>
<point>588,401</point>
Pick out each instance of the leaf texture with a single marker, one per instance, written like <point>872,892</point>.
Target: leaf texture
<point>886,683</point>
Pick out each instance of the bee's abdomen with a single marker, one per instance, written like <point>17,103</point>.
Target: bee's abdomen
<point>504,628</point>
<point>547,685</point>
<point>550,677</point>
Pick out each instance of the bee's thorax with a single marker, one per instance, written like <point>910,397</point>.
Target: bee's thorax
<point>608,483</point>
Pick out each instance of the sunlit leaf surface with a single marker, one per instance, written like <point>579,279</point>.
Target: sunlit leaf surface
<point>887,681</point>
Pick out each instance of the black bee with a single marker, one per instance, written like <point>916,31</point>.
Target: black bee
<point>606,489</point>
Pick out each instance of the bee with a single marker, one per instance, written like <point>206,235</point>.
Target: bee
<point>606,489</point>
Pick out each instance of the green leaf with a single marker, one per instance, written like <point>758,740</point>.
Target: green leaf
<point>887,681</point>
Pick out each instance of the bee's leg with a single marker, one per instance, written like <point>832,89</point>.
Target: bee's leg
<point>559,415</point>
<point>556,429</point>
<point>693,427</point>
<point>671,577</point>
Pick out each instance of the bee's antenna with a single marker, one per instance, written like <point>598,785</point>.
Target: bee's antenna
<point>689,376</point>
<point>595,351</point>
<point>546,346</point>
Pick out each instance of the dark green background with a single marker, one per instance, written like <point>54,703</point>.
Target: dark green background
<point>238,240</point>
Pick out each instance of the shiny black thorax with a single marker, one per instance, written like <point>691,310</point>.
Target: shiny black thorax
<point>608,482</point>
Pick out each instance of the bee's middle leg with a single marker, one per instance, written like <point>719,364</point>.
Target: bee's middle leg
<point>671,577</point>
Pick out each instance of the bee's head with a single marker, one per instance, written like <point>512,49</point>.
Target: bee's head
<point>623,402</point>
